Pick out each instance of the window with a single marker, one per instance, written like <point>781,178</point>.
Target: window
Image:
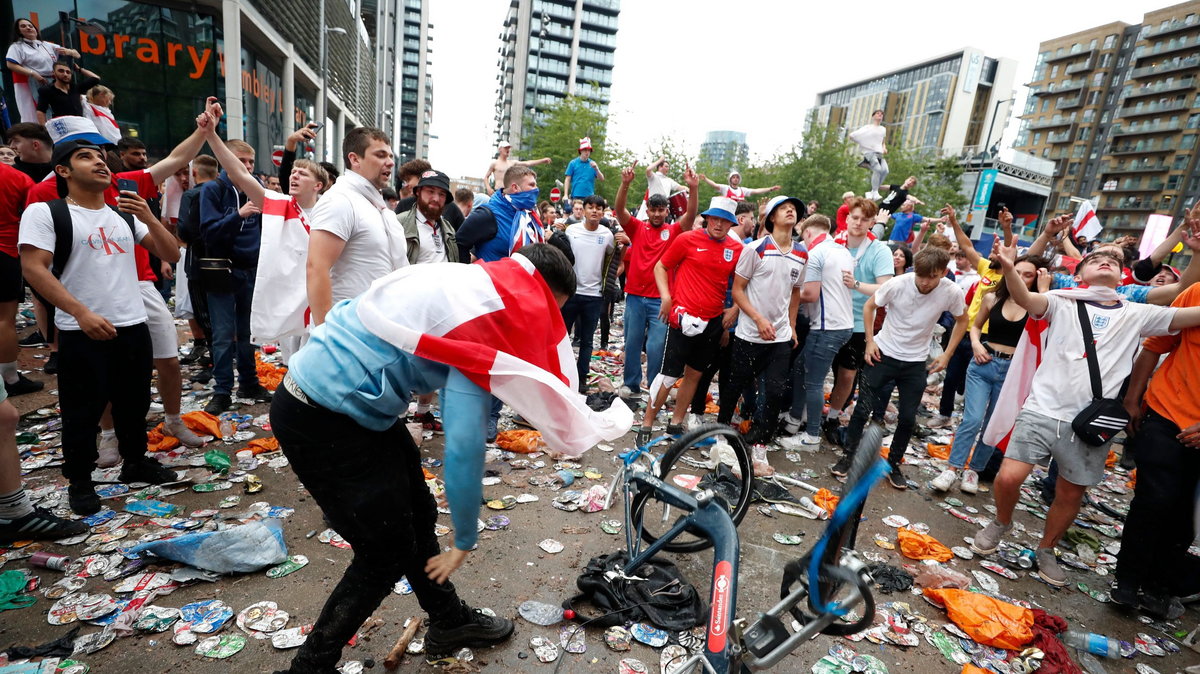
<point>1085,133</point>
<point>1037,138</point>
<point>1045,104</point>
<point>1188,142</point>
<point>1089,114</point>
<point>1078,150</point>
<point>1180,162</point>
<point>1093,97</point>
<point>1105,60</point>
<point>1092,44</point>
<point>1109,41</point>
<point>1173,182</point>
<point>1073,168</point>
<point>1064,203</point>
<point>1193,121</point>
<point>1054,72</point>
<point>1097,79</point>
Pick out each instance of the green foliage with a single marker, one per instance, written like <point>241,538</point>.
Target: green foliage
<point>556,134</point>
<point>939,179</point>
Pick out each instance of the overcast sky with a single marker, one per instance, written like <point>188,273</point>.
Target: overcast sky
<point>684,68</point>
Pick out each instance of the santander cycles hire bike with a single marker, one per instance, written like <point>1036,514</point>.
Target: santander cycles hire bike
<point>818,590</point>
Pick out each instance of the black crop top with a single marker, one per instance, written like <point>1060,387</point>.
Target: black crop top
<point>1002,331</point>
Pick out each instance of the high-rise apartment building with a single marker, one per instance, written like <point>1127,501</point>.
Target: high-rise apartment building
<point>725,150</point>
<point>404,103</point>
<point>952,104</point>
<point>552,49</point>
<point>1116,107</point>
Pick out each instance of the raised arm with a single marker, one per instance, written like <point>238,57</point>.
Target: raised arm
<point>693,203</point>
<point>964,241</point>
<point>186,151</point>
<point>711,183</point>
<point>536,162</point>
<point>238,175</point>
<point>1035,303</point>
<point>69,52</point>
<point>1006,221</point>
<point>1049,232</point>
<point>619,210</point>
<point>1164,295</point>
<point>651,169</point>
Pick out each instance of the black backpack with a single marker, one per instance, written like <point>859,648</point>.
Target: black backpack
<point>664,598</point>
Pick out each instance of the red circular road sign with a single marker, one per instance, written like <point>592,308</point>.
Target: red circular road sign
<point>555,194</point>
<point>277,157</point>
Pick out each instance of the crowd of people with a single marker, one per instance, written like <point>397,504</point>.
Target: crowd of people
<point>772,299</point>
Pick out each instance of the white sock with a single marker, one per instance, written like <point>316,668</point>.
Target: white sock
<point>174,419</point>
<point>15,504</point>
<point>9,370</point>
<point>108,433</point>
<point>422,408</point>
<point>833,414</point>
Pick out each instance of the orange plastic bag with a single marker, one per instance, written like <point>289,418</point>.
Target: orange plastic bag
<point>521,442</point>
<point>826,500</point>
<point>921,546</point>
<point>972,669</point>
<point>263,445</point>
<point>270,375</point>
<point>157,442</point>
<point>985,619</point>
<point>938,451</point>
<point>1132,482</point>
<point>203,423</point>
<point>1110,460</point>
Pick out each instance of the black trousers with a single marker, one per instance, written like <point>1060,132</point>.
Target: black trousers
<point>1159,526</point>
<point>93,373</point>
<point>956,376</point>
<point>747,361</point>
<point>719,364</point>
<point>878,381</point>
<point>370,486</point>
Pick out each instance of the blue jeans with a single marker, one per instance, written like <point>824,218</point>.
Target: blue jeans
<point>809,371</point>
<point>230,316</point>
<point>979,399</point>
<point>583,312</point>
<point>643,327</point>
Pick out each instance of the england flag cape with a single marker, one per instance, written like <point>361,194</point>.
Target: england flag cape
<point>280,304</point>
<point>498,324</point>
<point>1025,362</point>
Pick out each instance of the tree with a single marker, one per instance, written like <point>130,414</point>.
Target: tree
<point>939,179</point>
<point>556,134</point>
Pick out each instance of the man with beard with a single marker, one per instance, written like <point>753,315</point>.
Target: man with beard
<point>64,96</point>
<point>348,247</point>
<point>430,237</point>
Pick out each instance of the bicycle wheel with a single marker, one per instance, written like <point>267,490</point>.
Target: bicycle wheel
<point>865,456</point>
<point>692,463</point>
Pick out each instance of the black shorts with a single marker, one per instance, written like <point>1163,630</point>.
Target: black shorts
<point>696,352</point>
<point>850,357</point>
<point>12,286</point>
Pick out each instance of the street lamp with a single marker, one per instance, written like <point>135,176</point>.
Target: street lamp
<point>987,146</point>
<point>323,108</point>
<point>984,154</point>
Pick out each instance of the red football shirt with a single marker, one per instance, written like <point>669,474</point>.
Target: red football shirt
<point>47,190</point>
<point>648,243</point>
<point>14,189</point>
<point>700,267</point>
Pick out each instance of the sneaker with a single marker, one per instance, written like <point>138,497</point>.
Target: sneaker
<point>789,424</point>
<point>842,467</point>
<point>33,340</point>
<point>147,470</point>
<point>830,429</point>
<point>202,377</point>
<point>642,436</point>
<point>810,441</point>
<point>693,420</point>
<point>988,539</point>
<point>180,431</point>
<point>431,423</point>
<point>1124,596</point>
<point>518,420</point>
<point>675,429</point>
<point>758,435</point>
<point>109,455</point>
<point>51,366</point>
<point>218,403</point>
<point>83,499</point>
<point>195,354</point>
<point>969,483</point>
<point>626,392</point>
<point>22,386</point>
<point>255,392</point>
<point>1048,568</point>
<point>475,630</point>
<point>491,430</point>
<point>896,478</point>
<point>944,480</point>
<point>937,421</point>
<point>1161,606</point>
<point>40,524</point>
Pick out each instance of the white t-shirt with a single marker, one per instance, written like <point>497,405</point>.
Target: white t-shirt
<point>736,193</point>
<point>37,55</point>
<point>348,215</point>
<point>590,248</point>
<point>658,183</point>
<point>834,309</point>
<point>432,246</point>
<point>869,138</point>
<point>101,271</point>
<point>772,273</point>
<point>912,315</point>
<point>1061,386</point>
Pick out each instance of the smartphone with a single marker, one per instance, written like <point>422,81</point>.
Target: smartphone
<point>1000,206</point>
<point>127,185</point>
<point>315,126</point>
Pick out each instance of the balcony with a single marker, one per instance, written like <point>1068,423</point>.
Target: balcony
<point>1171,66</point>
<point>1143,129</point>
<point>1136,186</point>
<point>1130,204</point>
<point>1191,23</point>
<point>1151,109</point>
<point>1066,55</point>
<point>1162,87</point>
<point>1061,137</point>
<point>1171,47</point>
<point>1068,103</point>
<point>1136,167</point>
<point>1083,66</point>
<point>1068,85</point>
<point>1139,148</point>
<point>1052,122</point>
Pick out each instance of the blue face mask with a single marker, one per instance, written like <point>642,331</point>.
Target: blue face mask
<point>524,201</point>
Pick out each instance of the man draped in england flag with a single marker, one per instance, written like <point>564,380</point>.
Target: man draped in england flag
<point>492,328</point>
<point>734,190</point>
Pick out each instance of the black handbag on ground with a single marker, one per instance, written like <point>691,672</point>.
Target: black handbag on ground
<point>1104,417</point>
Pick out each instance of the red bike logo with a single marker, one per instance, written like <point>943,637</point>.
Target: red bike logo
<point>718,621</point>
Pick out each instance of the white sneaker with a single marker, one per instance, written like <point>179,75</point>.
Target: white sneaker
<point>109,455</point>
<point>693,421</point>
<point>180,431</point>
<point>624,392</point>
<point>944,480</point>
<point>937,421</point>
<point>789,424</point>
<point>970,482</point>
<point>807,440</point>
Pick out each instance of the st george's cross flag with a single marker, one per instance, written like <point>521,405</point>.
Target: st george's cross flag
<point>499,325</point>
<point>280,304</point>
<point>1086,222</point>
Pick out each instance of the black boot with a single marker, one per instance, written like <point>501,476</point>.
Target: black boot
<point>469,628</point>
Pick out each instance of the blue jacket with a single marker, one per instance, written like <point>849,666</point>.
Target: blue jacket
<point>226,234</point>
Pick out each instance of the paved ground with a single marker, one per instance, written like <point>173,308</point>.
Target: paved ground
<point>509,568</point>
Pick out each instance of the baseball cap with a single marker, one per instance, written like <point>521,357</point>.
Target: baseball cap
<point>505,143</point>
<point>63,151</point>
<point>432,178</point>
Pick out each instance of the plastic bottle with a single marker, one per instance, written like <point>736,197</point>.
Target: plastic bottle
<point>1097,644</point>
<point>226,427</point>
